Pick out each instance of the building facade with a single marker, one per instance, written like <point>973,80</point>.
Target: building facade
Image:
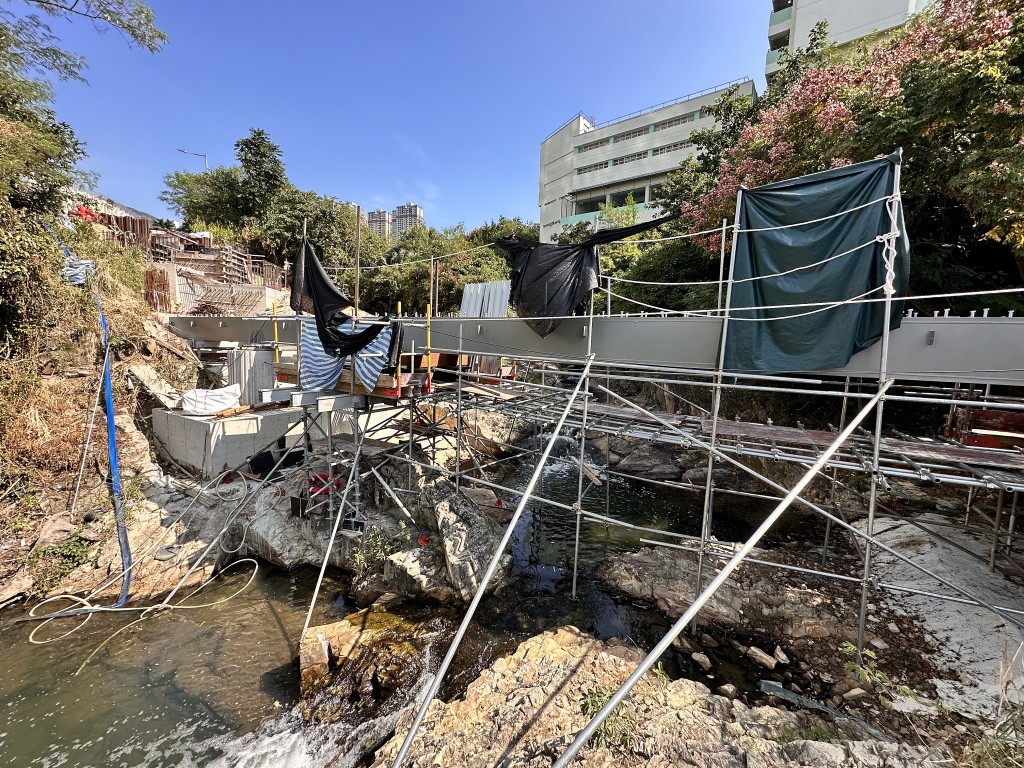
<point>379,222</point>
<point>791,22</point>
<point>583,165</point>
<point>405,217</point>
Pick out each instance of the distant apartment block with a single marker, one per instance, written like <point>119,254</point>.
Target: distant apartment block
<point>405,217</point>
<point>379,222</point>
<point>583,165</point>
<point>791,22</point>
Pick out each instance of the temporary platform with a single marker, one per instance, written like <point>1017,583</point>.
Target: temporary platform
<point>973,363</point>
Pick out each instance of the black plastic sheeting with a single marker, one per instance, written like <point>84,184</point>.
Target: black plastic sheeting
<point>314,292</point>
<point>550,282</point>
<point>822,339</point>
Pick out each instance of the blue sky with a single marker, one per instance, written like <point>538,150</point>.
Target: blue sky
<point>441,103</point>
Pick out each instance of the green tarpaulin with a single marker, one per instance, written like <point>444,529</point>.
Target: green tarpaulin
<point>766,335</point>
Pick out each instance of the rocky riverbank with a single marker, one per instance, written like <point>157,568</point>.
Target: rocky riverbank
<point>525,709</point>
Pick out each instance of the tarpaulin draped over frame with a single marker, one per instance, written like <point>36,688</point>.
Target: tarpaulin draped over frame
<point>313,291</point>
<point>550,281</point>
<point>828,338</point>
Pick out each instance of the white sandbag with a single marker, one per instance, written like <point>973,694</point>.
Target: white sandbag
<point>202,402</point>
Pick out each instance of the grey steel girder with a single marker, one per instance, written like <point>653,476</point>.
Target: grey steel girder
<point>982,350</point>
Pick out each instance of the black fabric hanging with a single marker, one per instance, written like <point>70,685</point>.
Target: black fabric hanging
<point>314,292</point>
<point>774,337</point>
<point>550,281</point>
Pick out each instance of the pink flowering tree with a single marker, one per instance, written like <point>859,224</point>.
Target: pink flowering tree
<point>947,88</point>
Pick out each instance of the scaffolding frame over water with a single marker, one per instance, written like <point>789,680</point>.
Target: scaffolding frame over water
<point>595,351</point>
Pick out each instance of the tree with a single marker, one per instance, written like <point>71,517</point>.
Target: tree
<point>211,197</point>
<point>229,196</point>
<point>263,174</point>
<point>502,228</point>
<point>38,153</point>
<point>948,89</point>
<point>29,44</point>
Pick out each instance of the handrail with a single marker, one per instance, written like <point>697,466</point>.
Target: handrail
<point>687,97</point>
<point>509,529</point>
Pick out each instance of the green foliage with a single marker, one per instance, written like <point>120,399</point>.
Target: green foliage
<point>50,565</point>
<point>232,196</point>
<point>574,233</point>
<point>816,731</point>
<point>403,271</point>
<point>213,196</point>
<point>29,265</point>
<point>1002,747</point>
<point>37,152</point>
<point>618,731</point>
<point>378,545</point>
<point>30,45</point>
<point>866,670</point>
<point>502,228</point>
<point>661,674</point>
<point>262,173</point>
<point>948,88</point>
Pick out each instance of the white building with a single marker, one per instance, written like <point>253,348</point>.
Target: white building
<point>405,217</point>
<point>379,222</point>
<point>791,22</point>
<point>583,165</point>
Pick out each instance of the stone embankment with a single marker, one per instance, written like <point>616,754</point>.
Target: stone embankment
<point>525,709</point>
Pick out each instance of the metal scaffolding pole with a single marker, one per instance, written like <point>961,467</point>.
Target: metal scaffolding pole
<point>690,614</point>
<point>835,470</point>
<point>716,404</point>
<point>458,416</point>
<point>889,256</point>
<point>583,447</point>
<point>486,580</point>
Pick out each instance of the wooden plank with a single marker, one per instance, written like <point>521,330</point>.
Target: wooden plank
<point>770,432</point>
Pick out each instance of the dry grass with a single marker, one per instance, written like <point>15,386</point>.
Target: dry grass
<point>50,362</point>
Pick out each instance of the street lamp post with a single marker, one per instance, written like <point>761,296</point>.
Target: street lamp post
<point>206,162</point>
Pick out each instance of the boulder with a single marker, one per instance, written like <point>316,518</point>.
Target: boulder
<point>753,598</point>
<point>418,572</point>
<point>469,538</point>
<point>351,669</point>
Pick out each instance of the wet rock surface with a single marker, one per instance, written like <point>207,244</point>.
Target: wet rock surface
<point>469,538</point>
<point>525,709</point>
<point>752,597</point>
<point>353,667</point>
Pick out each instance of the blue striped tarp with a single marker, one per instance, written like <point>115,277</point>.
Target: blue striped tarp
<point>320,370</point>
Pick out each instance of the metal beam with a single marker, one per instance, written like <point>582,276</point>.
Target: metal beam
<point>982,350</point>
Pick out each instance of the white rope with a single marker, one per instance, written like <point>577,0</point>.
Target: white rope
<point>824,308</point>
<point>823,218</point>
<point>961,294</point>
<point>880,238</point>
<point>714,231</point>
<point>408,263</point>
<point>640,303</point>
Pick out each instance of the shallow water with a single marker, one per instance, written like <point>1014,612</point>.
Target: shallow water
<point>217,686</point>
<point>162,687</point>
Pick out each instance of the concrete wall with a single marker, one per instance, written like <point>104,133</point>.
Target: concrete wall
<point>208,447</point>
<point>847,20</point>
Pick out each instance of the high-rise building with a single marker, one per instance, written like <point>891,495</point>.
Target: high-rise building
<point>405,217</point>
<point>791,22</point>
<point>583,165</point>
<point>380,222</point>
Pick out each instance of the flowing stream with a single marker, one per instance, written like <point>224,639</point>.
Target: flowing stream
<point>218,685</point>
